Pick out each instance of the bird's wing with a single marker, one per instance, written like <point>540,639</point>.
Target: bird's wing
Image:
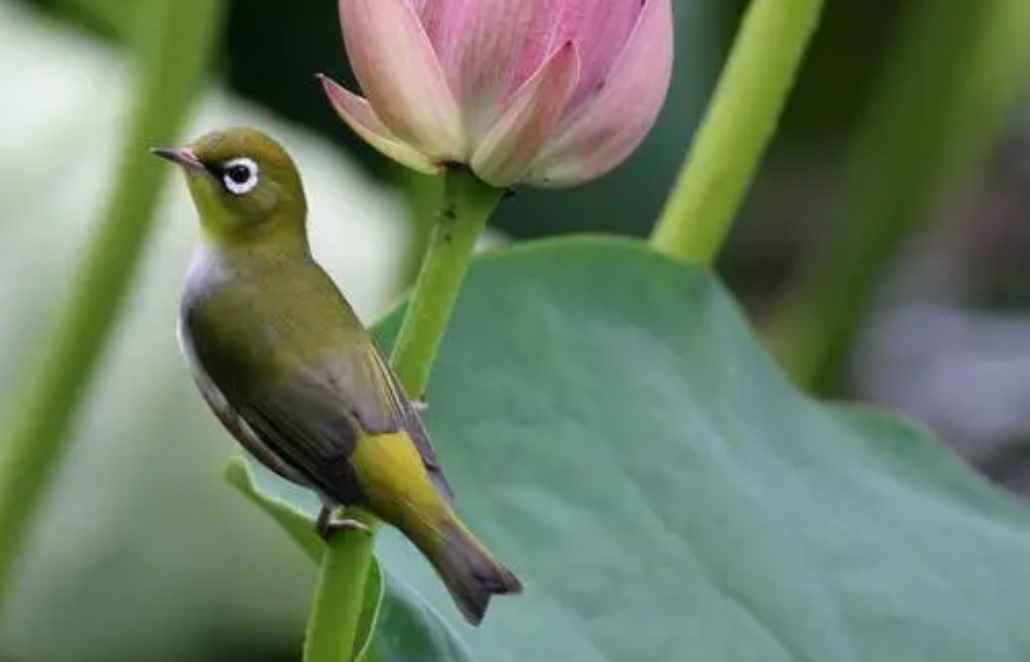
<point>314,420</point>
<point>227,414</point>
<point>311,414</point>
<point>303,423</point>
<point>392,410</point>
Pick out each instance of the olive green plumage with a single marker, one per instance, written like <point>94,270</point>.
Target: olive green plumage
<point>288,368</point>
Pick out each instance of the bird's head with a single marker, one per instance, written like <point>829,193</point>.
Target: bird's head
<point>245,186</point>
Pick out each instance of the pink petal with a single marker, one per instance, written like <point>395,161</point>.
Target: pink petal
<point>609,124</point>
<point>489,48</point>
<point>600,29</point>
<point>360,117</point>
<point>394,62</point>
<point>481,45</point>
<point>505,152</point>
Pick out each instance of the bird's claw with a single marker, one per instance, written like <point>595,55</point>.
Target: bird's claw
<point>420,403</point>
<point>327,526</point>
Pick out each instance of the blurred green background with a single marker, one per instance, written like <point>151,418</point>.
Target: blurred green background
<point>142,552</point>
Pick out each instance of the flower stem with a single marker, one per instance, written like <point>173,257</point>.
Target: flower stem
<point>737,126</point>
<point>468,203</point>
<point>332,631</point>
<point>175,40</point>
<point>424,194</point>
<point>339,597</point>
<point>956,72</point>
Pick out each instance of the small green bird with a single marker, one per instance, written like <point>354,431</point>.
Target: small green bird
<point>288,368</point>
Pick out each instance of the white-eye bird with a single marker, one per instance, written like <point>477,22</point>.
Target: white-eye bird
<point>289,369</point>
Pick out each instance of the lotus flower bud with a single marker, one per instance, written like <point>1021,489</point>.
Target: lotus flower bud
<point>548,92</point>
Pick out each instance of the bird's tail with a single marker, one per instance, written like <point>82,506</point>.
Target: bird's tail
<point>399,491</point>
<point>471,573</point>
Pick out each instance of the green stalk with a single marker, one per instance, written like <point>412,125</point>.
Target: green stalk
<point>332,631</point>
<point>957,70</point>
<point>468,203</point>
<point>176,38</point>
<point>737,127</point>
<point>339,596</point>
<point>424,195</point>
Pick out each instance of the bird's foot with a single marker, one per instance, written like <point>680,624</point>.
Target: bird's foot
<point>421,403</point>
<point>327,526</point>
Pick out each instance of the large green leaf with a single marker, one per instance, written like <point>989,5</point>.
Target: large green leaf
<point>615,434</point>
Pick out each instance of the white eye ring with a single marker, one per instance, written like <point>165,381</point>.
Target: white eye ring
<point>235,167</point>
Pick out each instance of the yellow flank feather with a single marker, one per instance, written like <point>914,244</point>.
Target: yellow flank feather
<point>397,487</point>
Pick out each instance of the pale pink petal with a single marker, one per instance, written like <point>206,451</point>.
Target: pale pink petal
<point>394,62</point>
<point>488,48</point>
<point>360,117</point>
<point>605,127</point>
<point>504,154</point>
<point>600,29</point>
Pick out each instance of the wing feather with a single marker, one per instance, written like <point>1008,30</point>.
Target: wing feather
<point>407,418</point>
<point>306,428</point>
<point>305,420</point>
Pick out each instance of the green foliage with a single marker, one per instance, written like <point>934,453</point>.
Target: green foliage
<point>614,432</point>
<point>741,118</point>
<point>955,72</point>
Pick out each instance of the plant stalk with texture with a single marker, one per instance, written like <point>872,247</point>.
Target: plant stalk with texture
<point>547,92</point>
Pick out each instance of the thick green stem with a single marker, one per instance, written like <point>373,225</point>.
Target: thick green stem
<point>468,203</point>
<point>339,596</point>
<point>956,72</point>
<point>176,38</point>
<point>739,123</point>
<point>332,632</point>
<point>424,194</point>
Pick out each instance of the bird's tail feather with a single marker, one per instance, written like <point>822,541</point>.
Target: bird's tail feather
<point>471,573</point>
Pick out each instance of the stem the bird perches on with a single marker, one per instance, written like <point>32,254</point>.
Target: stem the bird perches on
<point>339,597</point>
<point>741,118</point>
<point>175,40</point>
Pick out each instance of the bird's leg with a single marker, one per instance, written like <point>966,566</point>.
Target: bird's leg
<point>327,526</point>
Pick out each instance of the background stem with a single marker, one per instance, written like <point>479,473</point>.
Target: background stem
<point>740,120</point>
<point>339,596</point>
<point>175,40</point>
<point>955,74</point>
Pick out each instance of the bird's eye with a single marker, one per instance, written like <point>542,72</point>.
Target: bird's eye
<point>240,175</point>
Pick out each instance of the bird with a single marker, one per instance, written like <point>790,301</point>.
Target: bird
<point>291,372</point>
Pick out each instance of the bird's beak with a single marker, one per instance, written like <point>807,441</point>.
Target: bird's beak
<point>183,156</point>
